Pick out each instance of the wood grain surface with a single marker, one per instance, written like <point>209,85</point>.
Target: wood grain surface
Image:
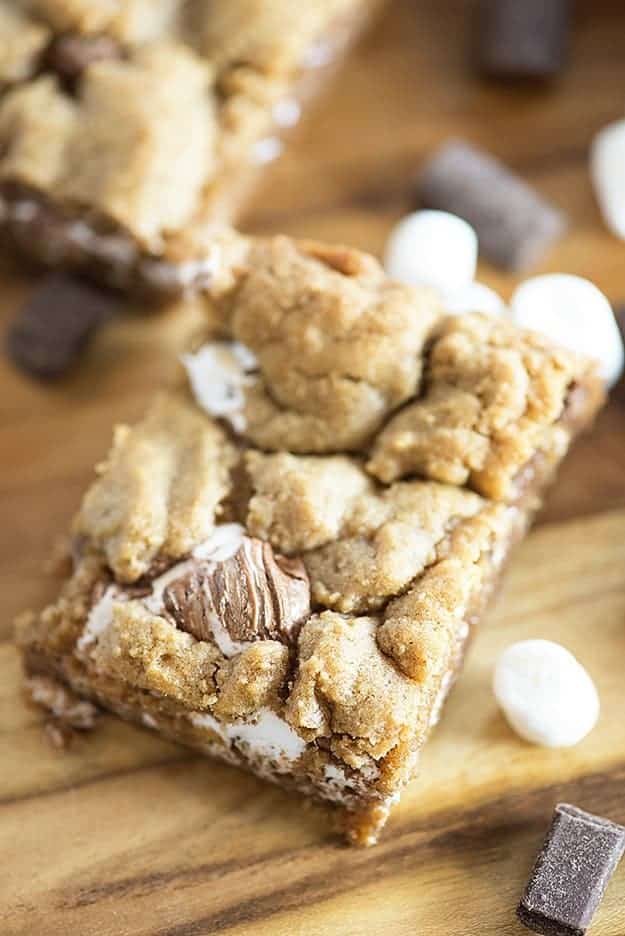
<point>130,836</point>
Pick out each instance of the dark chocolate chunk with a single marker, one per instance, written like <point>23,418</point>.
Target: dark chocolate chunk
<point>55,323</point>
<point>571,873</point>
<point>71,54</point>
<point>524,38</point>
<point>514,224</point>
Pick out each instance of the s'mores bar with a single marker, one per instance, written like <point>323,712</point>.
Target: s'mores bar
<point>282,563</point>
<point>127,129</point>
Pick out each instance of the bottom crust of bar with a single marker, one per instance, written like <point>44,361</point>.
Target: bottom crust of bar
<point>358,815</point>
<point>361,810</point>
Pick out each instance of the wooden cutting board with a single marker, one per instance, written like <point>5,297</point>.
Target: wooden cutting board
<point>129,836</point>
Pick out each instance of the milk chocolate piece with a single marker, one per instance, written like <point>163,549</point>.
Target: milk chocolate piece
<point>524,39</point>
<point>571,873</point>
<point>515,226</point>
<point>255,594</point>
<point>55,324</point>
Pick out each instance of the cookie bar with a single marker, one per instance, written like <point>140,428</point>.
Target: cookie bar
<point>128,129</point>
<point>281,564</point>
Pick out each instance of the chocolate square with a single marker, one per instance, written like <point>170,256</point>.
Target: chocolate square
<point>578,857</point>
<point>55,323</point>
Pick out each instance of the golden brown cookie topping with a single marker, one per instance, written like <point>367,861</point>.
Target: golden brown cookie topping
<point>494,396</point>
<point>144,649</point>
<point>387,540</point>
<point>337,352</point>
<point>159,490</point>
<point>298,502</point>
<point>345,686</point>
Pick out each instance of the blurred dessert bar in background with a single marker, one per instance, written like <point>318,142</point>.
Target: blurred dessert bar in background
<point>128,129</point>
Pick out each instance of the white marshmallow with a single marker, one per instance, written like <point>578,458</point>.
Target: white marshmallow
<point>267,737</point>
<point>99,618</point>
<point>546,695</point>
<point>223,543</point>
<point>222,639</point>
<point>574,314</point>
<point>476,297</point>
<point>318,54</point>
<point>607,171</point>
<point>286,112</point>
<point>219,373</point>
<point>267,149</point>
<point>432,248</point>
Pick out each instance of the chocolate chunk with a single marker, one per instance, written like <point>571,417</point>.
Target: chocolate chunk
<point>524,38</point>
<point>255,595</point>
<point>515,226</point>
<point>55,323</point>
<point>571,873</point>
<point>71,54</point>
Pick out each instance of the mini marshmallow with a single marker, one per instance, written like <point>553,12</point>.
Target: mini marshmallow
<point>318,54</point>
<point>476,297</point>
<point>286,112</point>
<point>546,695</point>
<point>607,171</point>
<point>574,314</point>
<point>432,248</point>
<point>267,149</point>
